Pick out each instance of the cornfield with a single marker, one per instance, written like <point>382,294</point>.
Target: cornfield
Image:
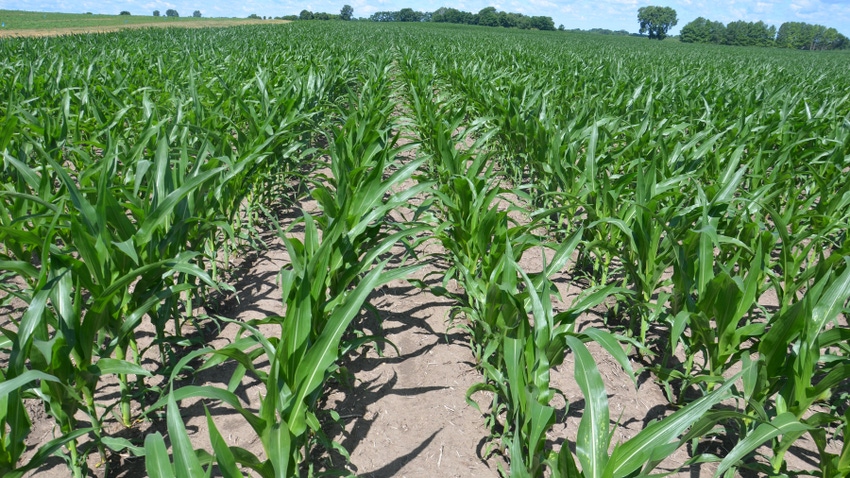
<point>697,198</point>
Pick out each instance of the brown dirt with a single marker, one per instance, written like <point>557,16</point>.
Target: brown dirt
<point>52,32</point>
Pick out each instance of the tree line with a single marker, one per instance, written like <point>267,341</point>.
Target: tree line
<point>797,35</point>
<point>489,17</point>
<point>172,13</point>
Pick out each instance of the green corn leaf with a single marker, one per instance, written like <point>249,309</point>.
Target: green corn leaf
<point>121,444</point>
<point>279,449</point>
<point>610,343</point>
<point>593,431</point>
<point>47,450</point>
<point>831,303</point>
<point>157,462</point>
<point>640,449</point>
<point>223,455</point>
<point>186,462</point>
<point>784,423</point>
<point>8,386</point>
<point>107,366</point>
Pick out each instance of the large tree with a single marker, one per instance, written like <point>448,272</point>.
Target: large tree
<point>657,21</point>
<point>346,12</point>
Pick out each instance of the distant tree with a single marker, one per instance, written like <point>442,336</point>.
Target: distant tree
<point>409,15</point>
<point>743,33</point>
<point>290,17</point>
<point>346,12</point>
<point>804,36</point>
<point>305,15</point>
<point>124,12</point>
<point>695,31</point>
<point>542,23</point>
<point>488,17</point>
<point>561,27</point>
<point>254,16</point>
<point>171,13</point>
<point>716,32</point>
<point>792,35</point>
<point>156,13</point>
<point>385,17</point>
<point>605,31</point>
<point>196,14</point>
<point>656,21</point>
<point>452,15</point>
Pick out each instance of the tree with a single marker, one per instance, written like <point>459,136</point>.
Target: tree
<point>695,32</point>
<point>305,15</point>
<point>124,12</point>
<point>196,14</point>
<point>156,13</point>
<point>384,17</point>
<point>804,36</point>
<point>409,15</point>
<point>171,13</point>
<point>346,12</point>
<point>542,23</point>
<point>488,17</point>
<point>657,21</point>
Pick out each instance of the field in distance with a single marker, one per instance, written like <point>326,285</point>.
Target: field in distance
<point>21,23</point>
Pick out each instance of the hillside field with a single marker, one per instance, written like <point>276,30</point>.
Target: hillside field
<point>17,23</point>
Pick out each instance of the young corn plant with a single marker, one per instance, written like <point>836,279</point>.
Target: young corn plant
<point>795,370</point>
<point>641,454</point>
<point>519,353</point>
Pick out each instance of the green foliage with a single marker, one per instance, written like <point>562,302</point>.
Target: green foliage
<point>743,33</point>
<point>489,17</point>
<point>804,36</point>
<point>656,21</point>
<point>703,30</point>
<point>346,12</point>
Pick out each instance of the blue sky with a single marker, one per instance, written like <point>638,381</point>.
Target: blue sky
<point>585,14</point>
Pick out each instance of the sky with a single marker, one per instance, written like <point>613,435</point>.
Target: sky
<point>584,14</point>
